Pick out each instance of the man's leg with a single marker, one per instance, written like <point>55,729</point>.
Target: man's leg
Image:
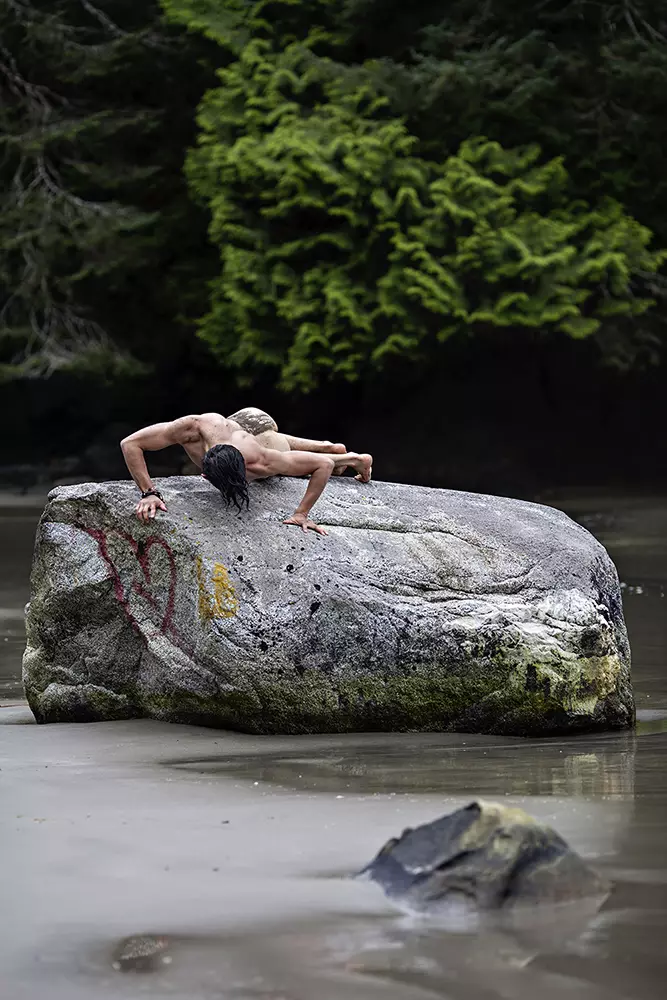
<point>287,442</point>
<point>273,439</point>
<point>362,464</point>
<point>320,447</point>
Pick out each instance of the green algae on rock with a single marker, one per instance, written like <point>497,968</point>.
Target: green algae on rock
<point>422,609</point>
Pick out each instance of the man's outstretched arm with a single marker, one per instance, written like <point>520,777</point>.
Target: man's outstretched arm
<point>153,438</point>
<point>303,463</point>
<point>320,468</point>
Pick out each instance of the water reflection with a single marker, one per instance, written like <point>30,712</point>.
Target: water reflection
<point>17,534</point>
<point>599,766</point>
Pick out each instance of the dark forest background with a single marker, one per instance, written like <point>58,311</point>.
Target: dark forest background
<point>431,230</point>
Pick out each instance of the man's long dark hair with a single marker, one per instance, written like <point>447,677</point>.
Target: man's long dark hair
<point>224,467</point>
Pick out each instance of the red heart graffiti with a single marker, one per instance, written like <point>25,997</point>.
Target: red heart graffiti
<point>142,551</point>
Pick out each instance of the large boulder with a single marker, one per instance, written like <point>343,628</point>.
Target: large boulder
<point>422,609</point>
<point>487,856</point>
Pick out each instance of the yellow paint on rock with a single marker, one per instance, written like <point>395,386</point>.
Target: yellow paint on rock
<point>222,601</point>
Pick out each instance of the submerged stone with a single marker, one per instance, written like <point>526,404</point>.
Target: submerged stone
<point>422,609</point>
<point>487,856</point>
<point>141,953</point>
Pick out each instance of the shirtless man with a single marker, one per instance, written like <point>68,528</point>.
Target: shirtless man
<point>233,451</point>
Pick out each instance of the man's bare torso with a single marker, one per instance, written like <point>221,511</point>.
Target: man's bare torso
<point>203,431</point>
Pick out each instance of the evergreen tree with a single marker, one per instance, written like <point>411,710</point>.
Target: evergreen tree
<point>95,222</point>
<point>348,234</point>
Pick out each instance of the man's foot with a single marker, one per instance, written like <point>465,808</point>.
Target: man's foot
<point>337,449</point>
<point>365,468</point>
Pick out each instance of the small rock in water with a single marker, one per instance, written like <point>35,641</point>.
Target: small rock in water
<point>141,953</point>
<point>485,855</point>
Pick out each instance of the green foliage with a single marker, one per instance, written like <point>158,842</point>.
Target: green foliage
<point>355,213</point>
<point>91,194</point>
<point>341,247</point>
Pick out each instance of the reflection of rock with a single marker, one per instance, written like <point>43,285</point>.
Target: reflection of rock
<point>422,610</point>
<point>485,855</point>
<point>387,765</point>
<point>600,775</point>
<point>486,959</point>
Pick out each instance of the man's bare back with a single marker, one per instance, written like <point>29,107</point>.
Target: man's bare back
<point>202,435</point>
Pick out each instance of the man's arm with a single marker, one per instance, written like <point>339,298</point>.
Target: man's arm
<point>303,463</point>
<point>154,438</point>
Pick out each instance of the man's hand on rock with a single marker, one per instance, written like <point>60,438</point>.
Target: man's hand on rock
<point>148,507</point>
<point>305,523</point>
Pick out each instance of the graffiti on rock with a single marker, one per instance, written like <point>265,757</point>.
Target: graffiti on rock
<point>222,602</point>
<point>143,576</point>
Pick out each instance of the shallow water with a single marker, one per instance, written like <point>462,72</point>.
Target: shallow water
<point>233,850</point>
<point>17,535</point>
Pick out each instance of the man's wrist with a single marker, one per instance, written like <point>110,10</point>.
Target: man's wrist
<point>151,493</point>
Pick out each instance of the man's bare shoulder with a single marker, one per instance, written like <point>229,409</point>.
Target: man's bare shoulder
<point>214,423</point>
<point>185,430</point>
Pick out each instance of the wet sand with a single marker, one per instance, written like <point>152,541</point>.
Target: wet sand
<point>235,850</point>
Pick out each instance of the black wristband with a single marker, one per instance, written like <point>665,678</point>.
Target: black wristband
<point>152,493</point>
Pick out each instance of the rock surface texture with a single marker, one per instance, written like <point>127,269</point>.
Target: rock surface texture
<point>422,609</point>
<point>486,855</point>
